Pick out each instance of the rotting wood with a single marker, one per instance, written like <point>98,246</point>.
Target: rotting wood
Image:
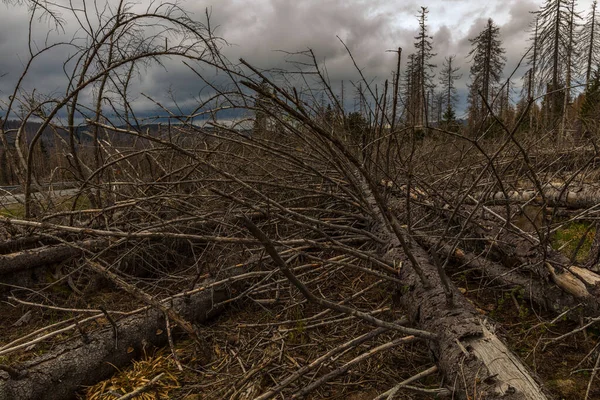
<point>460,330</point>
<point>555,195</point>
<point>568,282</point>
<point>587,276</point>
<point>464,342</point>
<point>462,337</point>
<point>47,255</point>
<point>60,373</point>
<point>502,365</point>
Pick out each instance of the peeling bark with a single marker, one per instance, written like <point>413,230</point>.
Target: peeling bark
<point>471,356</point>
<point>572,197</point>
<point>475,362</point>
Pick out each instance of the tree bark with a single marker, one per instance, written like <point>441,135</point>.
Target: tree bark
<point>574,198</point>
<point>60,373</point>
<point>26,259</point>
<point>534,288</point>
<point>27,242</point>
<point>474,361</point>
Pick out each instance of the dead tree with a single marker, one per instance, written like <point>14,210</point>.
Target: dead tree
<point>296,215</point>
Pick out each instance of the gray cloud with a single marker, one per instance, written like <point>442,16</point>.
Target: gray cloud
<point>255,29</point>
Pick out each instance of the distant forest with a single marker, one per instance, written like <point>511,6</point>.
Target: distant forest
<point>561,84</point>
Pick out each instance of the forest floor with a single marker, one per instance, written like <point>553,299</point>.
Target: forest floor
<point>251,347</point>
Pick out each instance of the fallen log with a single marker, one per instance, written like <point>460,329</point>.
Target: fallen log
<point>578,282</point>
<point>555,196</point>
<point>46,255</point>
<point>514,253</point>
<point>475,362</point>
<point>517,251</point>
<point>534,288</point>
<point>557,286</point>
<point>60,373</point>
<point>473,359</point>
<point>12,245</point>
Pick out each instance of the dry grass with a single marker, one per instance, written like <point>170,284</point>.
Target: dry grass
<point>139,375</point>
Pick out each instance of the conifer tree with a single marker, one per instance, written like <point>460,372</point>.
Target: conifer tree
<point>487,55</point>
<point>569,68</point>
<point>555,30</point>
<point>588,43</point>
<point>589,113</point>
<point>528,92</point>
<point>410,92</point>
<point>423,68</point>
<point>448,77</point>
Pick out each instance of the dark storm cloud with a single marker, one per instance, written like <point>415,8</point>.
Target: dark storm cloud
<point>516,33</point>
<point>256,29</point>
<point>314,24</point>
<point>369,28</point>
<point>46,73</point>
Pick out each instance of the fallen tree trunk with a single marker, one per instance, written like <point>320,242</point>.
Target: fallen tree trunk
<point>473,359</point>
<point>26,259</point>
<point>534,288</point>
<point>13,245</point>
<point>475,362</point>
<point>60,373</point>
<point>580,283</point>
<point>516,252</point>
<point>555,196</point>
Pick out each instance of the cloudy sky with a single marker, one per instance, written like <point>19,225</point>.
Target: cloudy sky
<point>257,29</point>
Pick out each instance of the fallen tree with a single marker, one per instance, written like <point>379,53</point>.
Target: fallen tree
<point>532,286</point>
<point>473,359</point>
<point>504,253</point>
<point>461,337</point>
<point>552,195</point>
<point>16,244</point>
<point>91,357</point>
<point>46,255</point>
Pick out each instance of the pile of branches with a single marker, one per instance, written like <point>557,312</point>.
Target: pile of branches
<point>352,233</point>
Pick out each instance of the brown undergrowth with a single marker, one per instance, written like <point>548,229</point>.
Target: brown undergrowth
<point>563,366</point>
<point>253,348</point>
<point>250,353</point>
